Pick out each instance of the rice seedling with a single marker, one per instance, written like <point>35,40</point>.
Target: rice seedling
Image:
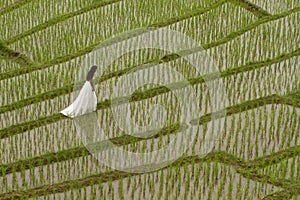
<point>7,65</point>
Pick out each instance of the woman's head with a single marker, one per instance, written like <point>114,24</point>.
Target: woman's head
<point>91,73</point>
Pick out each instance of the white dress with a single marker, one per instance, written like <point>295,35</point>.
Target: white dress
<point>86,102</point>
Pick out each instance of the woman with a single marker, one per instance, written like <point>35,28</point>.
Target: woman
<point>86,101</point>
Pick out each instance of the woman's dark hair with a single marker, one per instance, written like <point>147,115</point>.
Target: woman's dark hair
<point>91,73</point>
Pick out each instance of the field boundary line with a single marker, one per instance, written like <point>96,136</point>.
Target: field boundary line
<point>229,37</point>
<point>247,28</point>
<point>17,57</point>
<point>60,18</point>
<point>13,6</point>
<point>251,7</point>
<point>290,185</point>
<point>127,139</point>
<point>221,157</point>
<point>279,195</point>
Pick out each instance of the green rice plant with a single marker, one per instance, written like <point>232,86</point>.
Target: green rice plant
<point>7,65</point>
<point>206,30</point>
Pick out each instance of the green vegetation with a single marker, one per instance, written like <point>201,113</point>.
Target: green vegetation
<point>46,48</point>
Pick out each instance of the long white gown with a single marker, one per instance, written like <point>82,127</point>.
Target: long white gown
<point>86,102</point>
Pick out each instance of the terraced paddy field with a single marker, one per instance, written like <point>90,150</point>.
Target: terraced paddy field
<point>243,141</point>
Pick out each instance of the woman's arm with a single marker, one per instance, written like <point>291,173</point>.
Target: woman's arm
<point>92,84</point>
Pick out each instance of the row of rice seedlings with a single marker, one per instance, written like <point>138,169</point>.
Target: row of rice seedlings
<point>48,107</point>
<point>215,24</point>
<point>50,138</point>
<point>282,140</point>
<point>137,59</point>
<point>79,174</point>
<point>31,84</point>
<point>55,80</point>
<point>44,145</point>
<point>33,79</point>
<point>106,119</point>
<point>57,171</point>
<point>159,141</point>
<point>221,60</point>
<point>181,17</point>
<point>204,107</point>
<point>95,136</point>
<point>261,131</point>
<point>220,189</point>
<point>100,24</point>
<point>238,90</point>
<point>277,6</point>
<point>64,17</point>
<point>52,173</point>
<point>287,169</point>
<point>268,132</point>
<point>236,140</point>
<point>37,12</point>
<point>58,76</point>
<point>151,80</point>
<point>266,41</point>
<point>6,3</point>
<point>8,65</point>
<point>280,78</point>
<point>171,141</point>
<point>106,122</point>
<point>38,75</point>
<point>190,181</point>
